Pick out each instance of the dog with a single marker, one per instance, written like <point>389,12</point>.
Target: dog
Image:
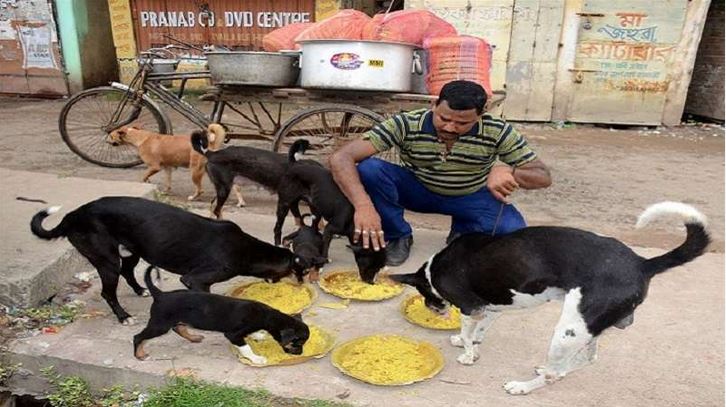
<point>234,317</point>
<point>307,243</point>
<point>308,181</point>
<point>600,280</point>
<point>264,167</point>
<point>113,233</point>
<point>166,152</point>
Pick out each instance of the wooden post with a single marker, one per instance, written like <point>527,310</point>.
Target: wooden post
<point>683,68</point>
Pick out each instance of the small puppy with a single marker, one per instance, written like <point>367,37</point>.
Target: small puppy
<point>306,180</point>
<point>166,152</point>
<point>264,167</point>
<point>307,243</point>
<point>113,233</point>
<point>600,280</point>
<point>235,318</point>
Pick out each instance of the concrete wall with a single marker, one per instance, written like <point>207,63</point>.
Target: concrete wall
<point>706,93</point>
<point>86,43</point>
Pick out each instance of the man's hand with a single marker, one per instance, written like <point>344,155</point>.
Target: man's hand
<point>368,228</point>
<point>501,182</point>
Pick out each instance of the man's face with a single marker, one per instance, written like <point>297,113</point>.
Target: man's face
<point>450,123</point>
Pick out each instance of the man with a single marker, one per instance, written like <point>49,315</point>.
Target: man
<point>456,160</point>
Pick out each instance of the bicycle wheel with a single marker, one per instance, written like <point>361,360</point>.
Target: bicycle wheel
<point>327,128</point>
<point>84,118</point>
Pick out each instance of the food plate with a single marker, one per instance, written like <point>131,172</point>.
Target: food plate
<point>347,284</point>
<point>388,360</point>
<point>317,346</point>
<point>284,296</point>
<point>416,312</point>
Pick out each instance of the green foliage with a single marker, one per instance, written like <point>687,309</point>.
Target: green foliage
<point>71,391</point>
<point>7,370</point>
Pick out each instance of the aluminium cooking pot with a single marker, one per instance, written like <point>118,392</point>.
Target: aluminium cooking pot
<point>253,68</point>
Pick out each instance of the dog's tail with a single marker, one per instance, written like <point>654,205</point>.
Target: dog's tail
<point>298,148</point>
<point>154,290</point>
<point>36,225</point>
<point>200,143</point>
<point>216,136</point>
<point>697,238</point>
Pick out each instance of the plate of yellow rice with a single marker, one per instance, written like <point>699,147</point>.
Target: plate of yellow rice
<point>388,360</point>
<point>415,311</point>
<point>318,345</point>
<point>347,284</point>
<point>284,296</point>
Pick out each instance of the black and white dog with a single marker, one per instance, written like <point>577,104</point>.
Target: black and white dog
<point>235,318</point>
<point>113,233</point>
<point>600,280</point>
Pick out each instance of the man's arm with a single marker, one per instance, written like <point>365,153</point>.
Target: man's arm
<point>503,179</point>
<point>366,219</point>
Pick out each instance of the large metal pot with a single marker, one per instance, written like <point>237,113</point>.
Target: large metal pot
<point>253,68</point>
<point>356,65</point>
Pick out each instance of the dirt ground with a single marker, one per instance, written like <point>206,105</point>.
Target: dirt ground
<point>603,176</point>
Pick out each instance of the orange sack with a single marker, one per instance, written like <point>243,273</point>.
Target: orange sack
<point>284,38</point>
<point>457,57</point>
<point>343,25</point>
<point>412,26</point>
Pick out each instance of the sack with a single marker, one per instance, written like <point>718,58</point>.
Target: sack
<point>458,57</point>
<point>411,26</point>
<point>343,25</point>
<point>284,38</point>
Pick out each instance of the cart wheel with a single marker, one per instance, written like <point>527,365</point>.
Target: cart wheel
<point>327,128</point>
<point>84,117</point>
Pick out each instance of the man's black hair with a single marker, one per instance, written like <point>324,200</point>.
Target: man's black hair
<point>463,95</point>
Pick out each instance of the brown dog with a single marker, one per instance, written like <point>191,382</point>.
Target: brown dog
<point>164,151</point>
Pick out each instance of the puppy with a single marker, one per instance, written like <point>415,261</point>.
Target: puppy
<point>600,280</point>
<point>235,318</point>
<point>113,233</point>
<point>165,151</point>
<point>308,181</point>
<point>307,243</point>
<point>264,167</point>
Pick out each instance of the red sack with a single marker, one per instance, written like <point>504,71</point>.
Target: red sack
<point>411,26</point>
<point>284,38</point>
<point>343,25</point>
<point>458,57</point>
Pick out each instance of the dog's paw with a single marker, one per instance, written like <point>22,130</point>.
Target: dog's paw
<point>241,204</point>
<point>191,197</point>
<point>517,388</point>
<point>467,358</point>
<point>145,293</point>
<point>539,370</point>
<point>129,321</point>
<point>258,336</point>
<point>456,341</point>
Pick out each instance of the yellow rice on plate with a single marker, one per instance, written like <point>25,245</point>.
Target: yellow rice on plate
<point>388,360</point>
<point>415,311</point>
<point>347,284</point>
<point>284,296</point>
<point>318,345</point>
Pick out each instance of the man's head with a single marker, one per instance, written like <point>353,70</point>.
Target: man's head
<point>458,108</point>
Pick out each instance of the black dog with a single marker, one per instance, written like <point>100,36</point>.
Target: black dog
<point>261,166</point>
<point>235,318</point>
<point>307,243</point>
<point>600,279</point>
<point>113,233</point>
<point>305,180</point>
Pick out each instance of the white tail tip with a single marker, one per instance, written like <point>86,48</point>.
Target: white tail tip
<point>686,212</point>
<point>53,209</point>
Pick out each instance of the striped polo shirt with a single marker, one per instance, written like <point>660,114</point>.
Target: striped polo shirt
<point>465,169</point>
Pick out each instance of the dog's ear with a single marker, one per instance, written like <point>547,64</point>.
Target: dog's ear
<point>298,316</point>
<point>412,279</point>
